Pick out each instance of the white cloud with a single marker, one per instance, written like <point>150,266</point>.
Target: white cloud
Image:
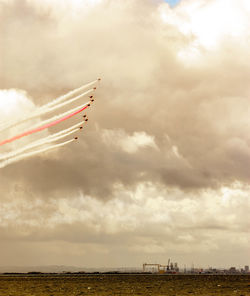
<point>150,219</point>
<point>208,24</point>
<point>149,205</point>
<point>14,103</point>
<point>74,9</point>
<point>128,143</point>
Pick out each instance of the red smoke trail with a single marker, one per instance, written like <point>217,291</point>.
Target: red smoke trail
<point>38,129</point>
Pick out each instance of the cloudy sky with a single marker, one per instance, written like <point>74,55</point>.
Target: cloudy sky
<point>162,169</point>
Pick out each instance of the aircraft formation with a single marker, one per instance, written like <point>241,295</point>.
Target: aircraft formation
<point>49,142</point>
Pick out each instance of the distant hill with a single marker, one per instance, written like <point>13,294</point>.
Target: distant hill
<point>64,268</point>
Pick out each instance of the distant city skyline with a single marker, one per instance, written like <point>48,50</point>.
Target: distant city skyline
<point>156,267</point>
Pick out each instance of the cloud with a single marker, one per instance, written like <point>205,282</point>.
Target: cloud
<point>14,103</point>
<point>129,144</point>
<point>150,220</point>
<point>171,110</point>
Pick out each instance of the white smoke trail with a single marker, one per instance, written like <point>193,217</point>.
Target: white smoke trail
<point>60,115</point>
<point>68,101</point>
<point>42,111</point>
<point>63,97</point>
<point>46,140</point>
<point>49,122</point>
<point>69,94</point>
<point>63,131</point>
<point>29,154</point>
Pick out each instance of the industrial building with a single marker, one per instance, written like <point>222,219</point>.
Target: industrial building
<point>171,267</point>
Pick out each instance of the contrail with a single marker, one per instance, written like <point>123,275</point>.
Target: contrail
<point>47,123</point>
<point>29,154</point>
<point>43,110</point>
<point>46,140</point>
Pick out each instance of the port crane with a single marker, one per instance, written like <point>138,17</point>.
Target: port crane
<point>170,267</point>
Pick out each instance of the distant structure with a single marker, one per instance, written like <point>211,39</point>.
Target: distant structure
<point>172,268</point>
<point>232,269</point>
<point>159,268</point>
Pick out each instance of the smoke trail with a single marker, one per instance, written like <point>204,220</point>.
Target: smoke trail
<point>57,119</point>
<point>68,101</point>
<point>43,110</point>
<point>29,154</point>
<point>54,118</point>
<point>62,98</point>
<point>61,115</point>
<point>46,140</point>
<point>63,131</point>
<point>69,94</point>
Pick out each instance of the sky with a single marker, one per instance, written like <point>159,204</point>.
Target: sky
<point>162,168</point>
<point>173,2</point>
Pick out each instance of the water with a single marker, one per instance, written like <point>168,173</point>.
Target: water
<point>124,284</point>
